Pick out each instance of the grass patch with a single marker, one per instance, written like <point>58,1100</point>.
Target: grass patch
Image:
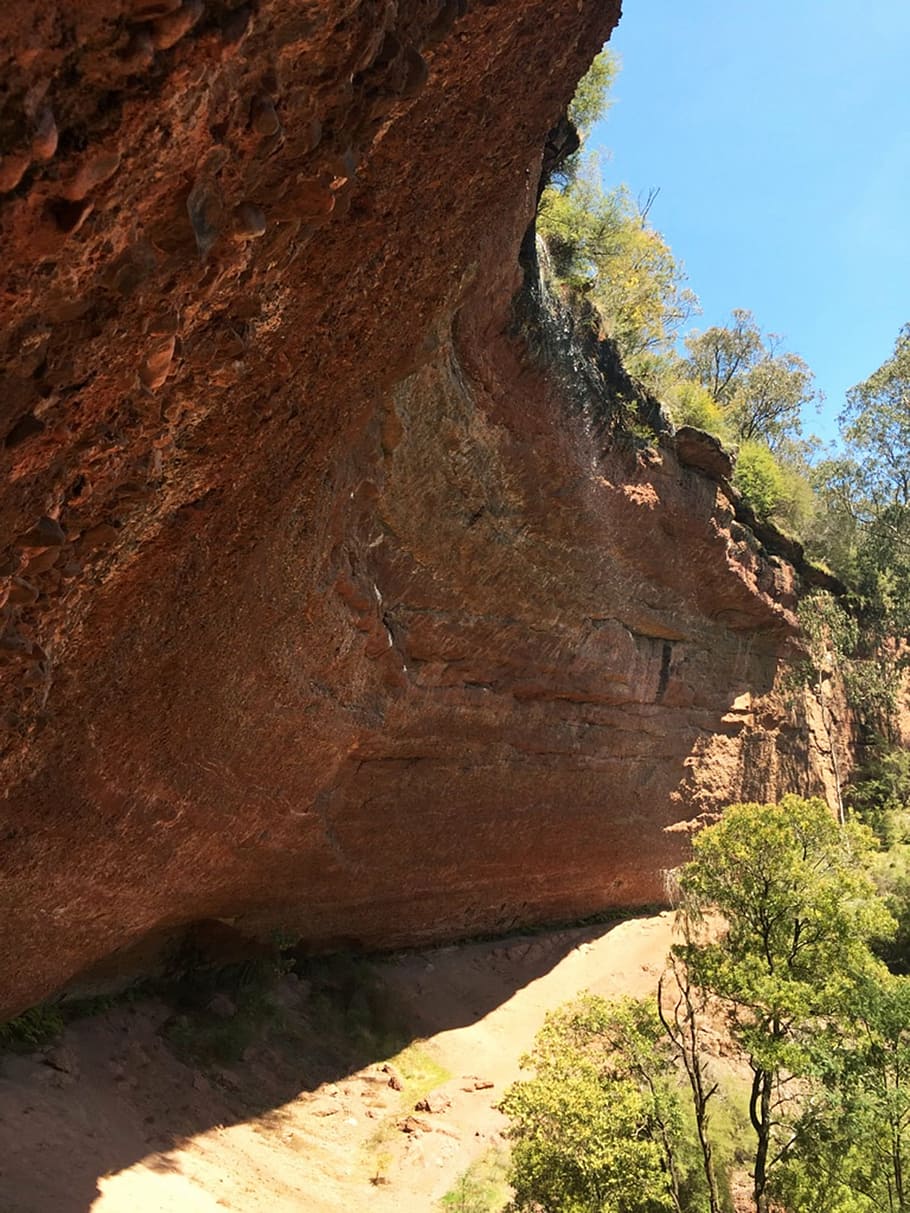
<point>33,1029</point>
<point>730,1123</point>
<point>222,1011</point>
<point>345,1020</point>
<point>483,1188</point>
<point>349,1011</point>
<point>44,1024</point>
<point>420,1073</point>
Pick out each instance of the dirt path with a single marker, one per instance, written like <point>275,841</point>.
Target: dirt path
<point>113,1123</point>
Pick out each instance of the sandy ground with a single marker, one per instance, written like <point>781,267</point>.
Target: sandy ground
<point>110,1121</point>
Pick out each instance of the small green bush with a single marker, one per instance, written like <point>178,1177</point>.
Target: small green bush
<point>692,404</point>
<point>33,1029</point>
<point>759,478</point>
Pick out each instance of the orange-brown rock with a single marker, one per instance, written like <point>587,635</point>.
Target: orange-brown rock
<point>373,632</point>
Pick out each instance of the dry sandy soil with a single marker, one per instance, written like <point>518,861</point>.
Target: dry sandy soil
<point>111,1121</point>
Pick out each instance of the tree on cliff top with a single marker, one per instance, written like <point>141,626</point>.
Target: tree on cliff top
<point>590,103</point>
<point>877,427</point>
<point>759,388</point>
<point>603,247</point>
<point>871,489</point>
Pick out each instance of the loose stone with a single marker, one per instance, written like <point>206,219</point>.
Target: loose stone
<point>157,365</point>
<point>416,73</point>
<point>313,199</point>
<point>151,10</point>
<point>46,533</point>
<point>140,52</point>
<point>12,170</point>
<point>44,140</point>
<point>13,644</point>
<point>99,536</point>
<point>22,593</point>
<point>204,209</point>
<point>264,117</point>
<point>249,222</point>
<point>42,562</point>
<point>91,174</point>
<point>167,31</point>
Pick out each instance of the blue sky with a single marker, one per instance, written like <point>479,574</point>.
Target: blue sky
<point>779,135</point>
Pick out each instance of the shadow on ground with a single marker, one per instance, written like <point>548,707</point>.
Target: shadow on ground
<point>138,1080</point>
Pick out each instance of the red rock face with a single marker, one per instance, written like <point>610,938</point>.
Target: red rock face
<point>325,609</point>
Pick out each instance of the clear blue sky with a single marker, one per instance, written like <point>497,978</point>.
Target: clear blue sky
<point>779,135</point>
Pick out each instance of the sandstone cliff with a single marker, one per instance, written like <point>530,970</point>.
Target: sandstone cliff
<point>332,603</point>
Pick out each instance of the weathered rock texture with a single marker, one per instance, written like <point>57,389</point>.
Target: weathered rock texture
<point>329,606</point>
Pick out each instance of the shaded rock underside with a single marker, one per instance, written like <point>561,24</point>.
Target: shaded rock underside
<point>329,607</point>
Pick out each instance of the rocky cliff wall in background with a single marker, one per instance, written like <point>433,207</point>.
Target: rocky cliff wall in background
<point>329,605</point>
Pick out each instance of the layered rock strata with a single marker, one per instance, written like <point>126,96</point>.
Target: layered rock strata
<point>330,604</point>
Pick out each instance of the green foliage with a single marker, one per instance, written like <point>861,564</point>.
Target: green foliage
<point>576,221</point>
<point>42,1025</point>
<point>33,1029</point>
<point>603,246</point>
<point>778,913</point>
<point>854,1135</point>
<point>482,1188</point>
<point>759,478</point>
<point>836,642</point>
<point>834,532</point>
<point>796,509</point>
<point>419,1071</point>
<point>831,633</point>
<point>892,875</point>
<point>866,538</point>
<point>691,404</point>
<point>877,424</point>
<point>200,1034</point>
<point>597,1129</point>
<point>864,528</point>
<point>591,101</point>
<point>798,910</point>
<point>760,388</point>
<point>872,685</point>
<point>638,287</point>
<point>880,796</point>
<point>798,907</point>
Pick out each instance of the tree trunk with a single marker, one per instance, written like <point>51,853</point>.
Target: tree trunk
<point>760,1115</point>
<point>683,1035</point>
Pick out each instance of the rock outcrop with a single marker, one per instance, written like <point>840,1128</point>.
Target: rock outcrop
<point>330,605</point>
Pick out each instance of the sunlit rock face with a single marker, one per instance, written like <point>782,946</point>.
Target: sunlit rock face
<point>329,606</point>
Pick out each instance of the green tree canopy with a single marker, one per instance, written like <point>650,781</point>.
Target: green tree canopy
<point>852,1139</point>
<point>591,101</point>
<point>760,387</point>
<point>596,1129</point>
<point>868,492</point>
<point>603,246</point>
<point>797,910</point>
<point>876,427</point>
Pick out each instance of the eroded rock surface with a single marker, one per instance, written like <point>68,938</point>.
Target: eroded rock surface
<point>328,607</point>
